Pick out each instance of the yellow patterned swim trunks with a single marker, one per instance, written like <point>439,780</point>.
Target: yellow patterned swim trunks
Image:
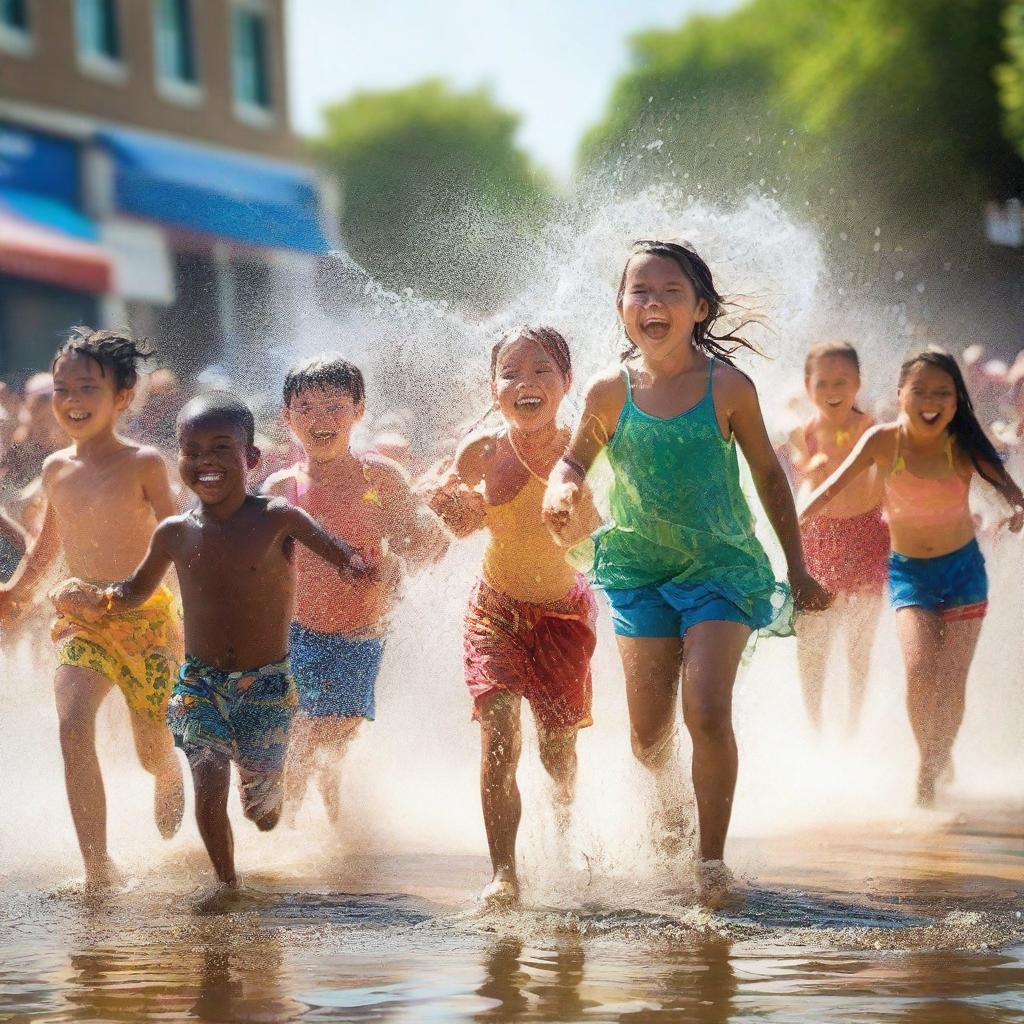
<point>138,650</point>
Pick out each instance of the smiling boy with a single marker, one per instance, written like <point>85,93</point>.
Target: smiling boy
<point>104,496</point>
<point>338,636</point>
<point>235,697</point>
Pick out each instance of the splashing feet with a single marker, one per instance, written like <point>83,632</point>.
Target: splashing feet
<point>501,893</point>
<point>716,884</point>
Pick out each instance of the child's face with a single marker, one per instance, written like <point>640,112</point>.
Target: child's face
<point>322,420</point>
<point>928,400</point>
<point>659,305</point>
<point>86,401</point>
<point>833,385</point>
<point>214,459</point>
<point>528,386</point>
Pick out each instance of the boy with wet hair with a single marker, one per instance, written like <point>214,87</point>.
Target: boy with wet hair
<point>340,627</point>
<point>234,555</point>
<point>104,497</point>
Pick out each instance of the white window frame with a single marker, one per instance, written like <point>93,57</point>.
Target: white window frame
<point>99,65</point>
<point>176,90</point>
<point>18,42</point>
<point>252,113</point>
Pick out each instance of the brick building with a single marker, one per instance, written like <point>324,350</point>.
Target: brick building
<point>149,175</point>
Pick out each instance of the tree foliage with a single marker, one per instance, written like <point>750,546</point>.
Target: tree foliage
<point>435,190</point>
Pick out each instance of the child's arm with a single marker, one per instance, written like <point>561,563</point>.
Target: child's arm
<point>414,532</point>
<point>310,534</point>
<point>454,499</point>
<point>747,425</point>
<point>1007,488</point>
<point>870,450</point>
<point>34,565</point>
<point>602,406</point>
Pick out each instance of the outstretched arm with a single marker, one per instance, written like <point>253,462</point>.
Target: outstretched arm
<point>414,531</point>
<point>1007,488</point>
<point>309,533</point>
<point>452,496</point>
<point>868,451</point>
<point>565,496</point>
<point>773,489</point>
<point>34,565</point>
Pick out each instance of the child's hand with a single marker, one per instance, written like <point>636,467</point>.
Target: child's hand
<point>560,501</point>
<point>1015,522</point>
<point>461,508</point>
<point>808,594</point>
<point>79,599</point>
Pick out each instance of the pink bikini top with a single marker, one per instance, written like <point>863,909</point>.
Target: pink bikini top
<point>917,501</point>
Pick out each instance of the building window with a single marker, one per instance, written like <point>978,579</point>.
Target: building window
<point>98,30</point>
<point>15,31</point>
<point>249,57</point>
<point>175,41</point>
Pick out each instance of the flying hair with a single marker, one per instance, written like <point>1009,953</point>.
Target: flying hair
<point>115,351</point>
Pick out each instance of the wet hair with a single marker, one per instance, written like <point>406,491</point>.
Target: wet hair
<point>827,349</point>
<point>325,372</point>
<point>547,337</point>
<point>698,273</point>
<point>219,407</point>
<point>115,351</point>
<point>965,428</point>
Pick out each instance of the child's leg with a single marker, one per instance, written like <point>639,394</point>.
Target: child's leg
<point>500,746</point>
<point>815,632</point>
<point>301,750</point>
<point>79,693</point>
<point>861,611</point>
<point>959,642</point>
<point>155,747</point>
<point>712,656</point>
<point>651,666</point>
<point>211,775</point>
<point>558,755</point>
<point>333,736</point>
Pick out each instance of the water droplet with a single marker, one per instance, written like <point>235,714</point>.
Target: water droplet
<point>898,276</point>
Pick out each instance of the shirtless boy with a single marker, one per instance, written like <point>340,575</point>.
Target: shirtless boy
<point>104,497</point>
<point>338,636</point>
<point>235,697</point>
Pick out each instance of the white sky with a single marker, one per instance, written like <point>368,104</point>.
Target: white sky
<point>552,61</point>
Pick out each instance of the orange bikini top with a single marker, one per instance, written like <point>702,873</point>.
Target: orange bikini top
<point>917,501</point>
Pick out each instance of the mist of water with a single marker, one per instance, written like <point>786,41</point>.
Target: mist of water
<point>410,782</point>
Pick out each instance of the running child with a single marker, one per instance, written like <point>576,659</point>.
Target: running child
<point>529,629</point>
<point>104,497</point>
<point>686,577</point>
<point>846,549</point>
<point>341,623</point>
<point>235,697</point>
<point>937,580</point>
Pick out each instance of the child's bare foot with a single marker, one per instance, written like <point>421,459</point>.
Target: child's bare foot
<point>169,800</point>
<point>716,886</point>
<point>221,897</point>
<point>103,876</point>
<point>502,893</point>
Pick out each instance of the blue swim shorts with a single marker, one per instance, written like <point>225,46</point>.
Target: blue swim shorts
<point>954,586</point>
<point>670,609</point>
<point>336,676</point>
<point>243,717</point>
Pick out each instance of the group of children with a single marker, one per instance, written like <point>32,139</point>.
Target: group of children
<point>286,595</point>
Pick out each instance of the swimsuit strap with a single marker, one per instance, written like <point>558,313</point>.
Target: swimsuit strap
<point>629,385</point>
<point>899,464</point>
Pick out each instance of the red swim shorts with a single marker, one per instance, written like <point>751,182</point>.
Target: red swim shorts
<point>848,556</point>
<point>541,652</point>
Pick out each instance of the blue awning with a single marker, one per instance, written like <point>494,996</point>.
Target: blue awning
<point>241,198</point>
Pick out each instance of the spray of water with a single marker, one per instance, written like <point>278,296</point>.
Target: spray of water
<point>410,782</point>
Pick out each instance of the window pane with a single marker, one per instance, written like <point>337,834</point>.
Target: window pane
<point>174,40</point>
<point>14,13</point>
<point>97,28</point>
<point>252,81</point>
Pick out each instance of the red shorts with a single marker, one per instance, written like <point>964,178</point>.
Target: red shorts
<point>540,652</point>
<point>848,555</point>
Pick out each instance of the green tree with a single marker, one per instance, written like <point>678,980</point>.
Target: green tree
<point>436,194</point>
<point>863,111</point>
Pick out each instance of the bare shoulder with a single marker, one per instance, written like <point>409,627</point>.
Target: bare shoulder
<point>474,455</point>
<point>272,505</point>
<point>607,386</point>
<point>732,384</point>
<point>53,464</point>
<point>169,531</point>
<point>149,462</point>
<point>282,482</point>
<point>384,472</point>
<point>880,440</point>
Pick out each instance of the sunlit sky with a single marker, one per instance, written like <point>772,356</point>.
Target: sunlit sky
<point>552,61</point>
